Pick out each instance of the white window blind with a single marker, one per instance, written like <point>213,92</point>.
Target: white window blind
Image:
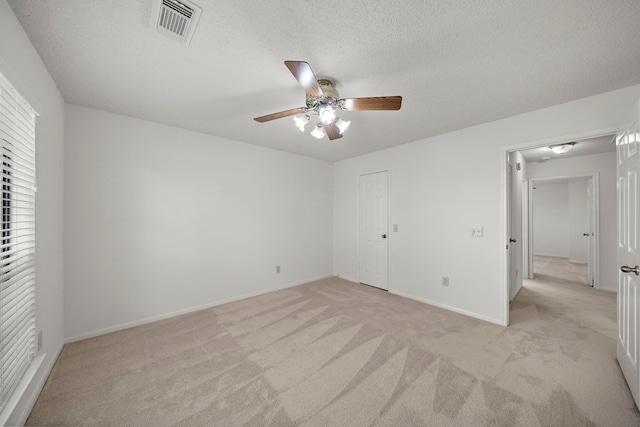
<point>17,239</point>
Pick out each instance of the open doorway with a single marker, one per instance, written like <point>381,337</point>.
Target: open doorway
<point>591,159</point>
<point>563,229</point>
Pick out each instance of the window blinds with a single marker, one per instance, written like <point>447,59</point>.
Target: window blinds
<point>17,239</point>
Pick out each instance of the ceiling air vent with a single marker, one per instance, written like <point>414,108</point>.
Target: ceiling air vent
<point>175,19</point>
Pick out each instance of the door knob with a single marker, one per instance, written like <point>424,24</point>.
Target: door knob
<point>512,240</point>
<point>627,269</point>
<point>384,236</point>
<point>586,234</point>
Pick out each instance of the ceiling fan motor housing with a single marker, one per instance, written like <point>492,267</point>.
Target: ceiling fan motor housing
<point>330,95</point>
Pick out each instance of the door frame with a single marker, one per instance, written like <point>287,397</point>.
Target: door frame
<point>389,233</point>
<point>510,246</point>
<point>527,231</point>
<point>504,208</point>
<point>595,177</point>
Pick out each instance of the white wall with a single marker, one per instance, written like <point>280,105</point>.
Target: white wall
<point>578,220</point>
<point>604,165</point>
<point>560,218</point>
<point>20,63</point>
<point>440,187</point>
<point>551,219</point>
<point>162,220</point>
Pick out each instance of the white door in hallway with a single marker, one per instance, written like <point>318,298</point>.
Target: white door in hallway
<point>510,227</point>
<point>373,207</point>
<point>628,167</point>
<point>591,233</point>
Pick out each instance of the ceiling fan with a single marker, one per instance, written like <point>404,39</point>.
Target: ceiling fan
<point>323,99</point>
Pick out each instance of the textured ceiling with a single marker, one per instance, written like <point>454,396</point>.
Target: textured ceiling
<point>456,64</point>
<point>601,144</point>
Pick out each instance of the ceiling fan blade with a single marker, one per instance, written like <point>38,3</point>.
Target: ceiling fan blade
<point>281,114</point>
<point>302,72</point>
<point>332,131</point>
<point>372,103</point>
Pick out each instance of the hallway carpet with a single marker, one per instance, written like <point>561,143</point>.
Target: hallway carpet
<point>335,353</point>
<point>558,268</point>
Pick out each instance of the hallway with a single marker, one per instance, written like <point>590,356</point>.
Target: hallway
<point>557,268</point>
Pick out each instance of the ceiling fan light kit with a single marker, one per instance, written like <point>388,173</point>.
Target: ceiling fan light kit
<point>301,121</point>
<point>342,124</point>
<point>324,101</point>
<point>318,131</point>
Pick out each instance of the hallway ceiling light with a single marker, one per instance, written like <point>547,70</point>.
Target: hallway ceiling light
<point>562,148</point>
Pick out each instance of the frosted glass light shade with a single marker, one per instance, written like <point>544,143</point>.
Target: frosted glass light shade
<point>342,125</point>
<point>301,120</point>
<point>327,114</point>
<point>318,132</point>
<point>562,148</point>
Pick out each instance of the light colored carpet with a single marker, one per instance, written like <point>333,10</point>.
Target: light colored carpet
<point>335,353</point>
<point>554,268</point>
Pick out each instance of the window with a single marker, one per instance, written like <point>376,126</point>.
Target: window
<point>17,239</point>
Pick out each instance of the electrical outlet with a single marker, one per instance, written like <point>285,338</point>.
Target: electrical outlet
<point>445,281</point>
<point>476,232</point>
<point>277,269</point>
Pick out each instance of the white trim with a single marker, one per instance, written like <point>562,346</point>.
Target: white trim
<point>595,184</point>
<point>22,418</point>
<point>9,417</point>
<point>550,255</point>
<point>448,307</point>
<point>144,321</point>
<point>530,247</point>
<point>526,270</point>
<point>556,140</point>
<point>389,231</point>
<point>350,279</point>
<point>573,261</point>
<point>505,292</point>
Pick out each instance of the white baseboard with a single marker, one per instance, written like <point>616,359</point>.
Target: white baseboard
<point>552,255</point>
<point>11,417</point>
<point>447,307</point>
<point>350,279</point>
<point>140,322</point>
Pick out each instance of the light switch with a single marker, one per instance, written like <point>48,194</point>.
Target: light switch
<point>395,228</point>
<point>476,231</point>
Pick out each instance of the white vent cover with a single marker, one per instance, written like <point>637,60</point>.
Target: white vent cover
<point>175,19</point>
